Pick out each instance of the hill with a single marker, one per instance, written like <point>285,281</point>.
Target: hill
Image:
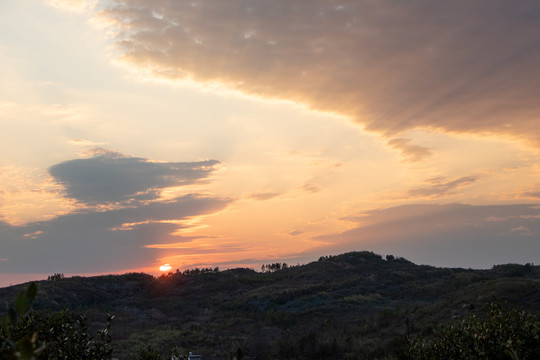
<point>351,306</point>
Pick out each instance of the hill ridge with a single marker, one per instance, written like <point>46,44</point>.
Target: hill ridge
<point>356,302</point>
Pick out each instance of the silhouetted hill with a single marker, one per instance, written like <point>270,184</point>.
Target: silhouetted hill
<point>353,306</point>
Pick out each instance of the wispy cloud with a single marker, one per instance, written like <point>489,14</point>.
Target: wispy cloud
<point>311,188</point>
<point>33,235</point>
<point>523,230</point>
<point>30,194</point>
<point>410,152</point>
<point>264,196</point>
<point>532,194</point>
<point>440,186</point>
<point>76,6</point>
<point>82,142</point>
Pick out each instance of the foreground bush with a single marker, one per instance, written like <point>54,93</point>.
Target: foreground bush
<point>29,335</point>
<point>502,335</point>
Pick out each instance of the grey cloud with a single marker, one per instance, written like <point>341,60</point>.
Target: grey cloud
<point>5,225</point>
<point>6,229</point>
<point>113,177</point>
<point>392,65</point>
<point>86,242</point>
<point>447,235</point>
<point>410,151</point>
<point>438,187</point>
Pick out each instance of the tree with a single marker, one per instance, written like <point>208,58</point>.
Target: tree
<point>274,267</point>
<point>57,276</point>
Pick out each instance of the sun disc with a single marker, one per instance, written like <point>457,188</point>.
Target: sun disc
<point>165,267</point>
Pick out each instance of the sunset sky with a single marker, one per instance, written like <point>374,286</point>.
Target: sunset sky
<point>137,133</point>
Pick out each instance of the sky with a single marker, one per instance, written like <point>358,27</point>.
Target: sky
<point>238,133</point>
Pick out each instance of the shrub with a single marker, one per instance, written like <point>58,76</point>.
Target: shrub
<point>502,335</point>
<point>29,335</point>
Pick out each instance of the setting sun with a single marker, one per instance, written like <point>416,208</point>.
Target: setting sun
<point>165,267</point>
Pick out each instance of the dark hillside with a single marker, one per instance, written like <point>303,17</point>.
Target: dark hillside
<point>353,306</point>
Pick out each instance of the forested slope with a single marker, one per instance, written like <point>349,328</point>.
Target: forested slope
<point>356,305</point>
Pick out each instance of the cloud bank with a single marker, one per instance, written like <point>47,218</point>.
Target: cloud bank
<point>447,235</point>
<point>455,66</point>
<point>92,242</point>
<point>113,238</point>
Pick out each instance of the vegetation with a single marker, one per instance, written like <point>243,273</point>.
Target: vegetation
<point>353,306</point>
<point>16,341</point>
<point>274,267</point>
<point>504,334</point>
<point>28,335</point>
<point>55,277</point>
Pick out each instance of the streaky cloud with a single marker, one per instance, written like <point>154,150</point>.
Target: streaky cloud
<point>311,188</point>
<point>532,194</point>
<point>439,187</point>
<point>87,242</point>
<point>264,196</point>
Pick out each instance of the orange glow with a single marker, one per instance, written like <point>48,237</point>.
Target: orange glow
<point>165,267</point>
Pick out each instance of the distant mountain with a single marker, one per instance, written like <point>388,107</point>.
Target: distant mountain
<point>351,306</point>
